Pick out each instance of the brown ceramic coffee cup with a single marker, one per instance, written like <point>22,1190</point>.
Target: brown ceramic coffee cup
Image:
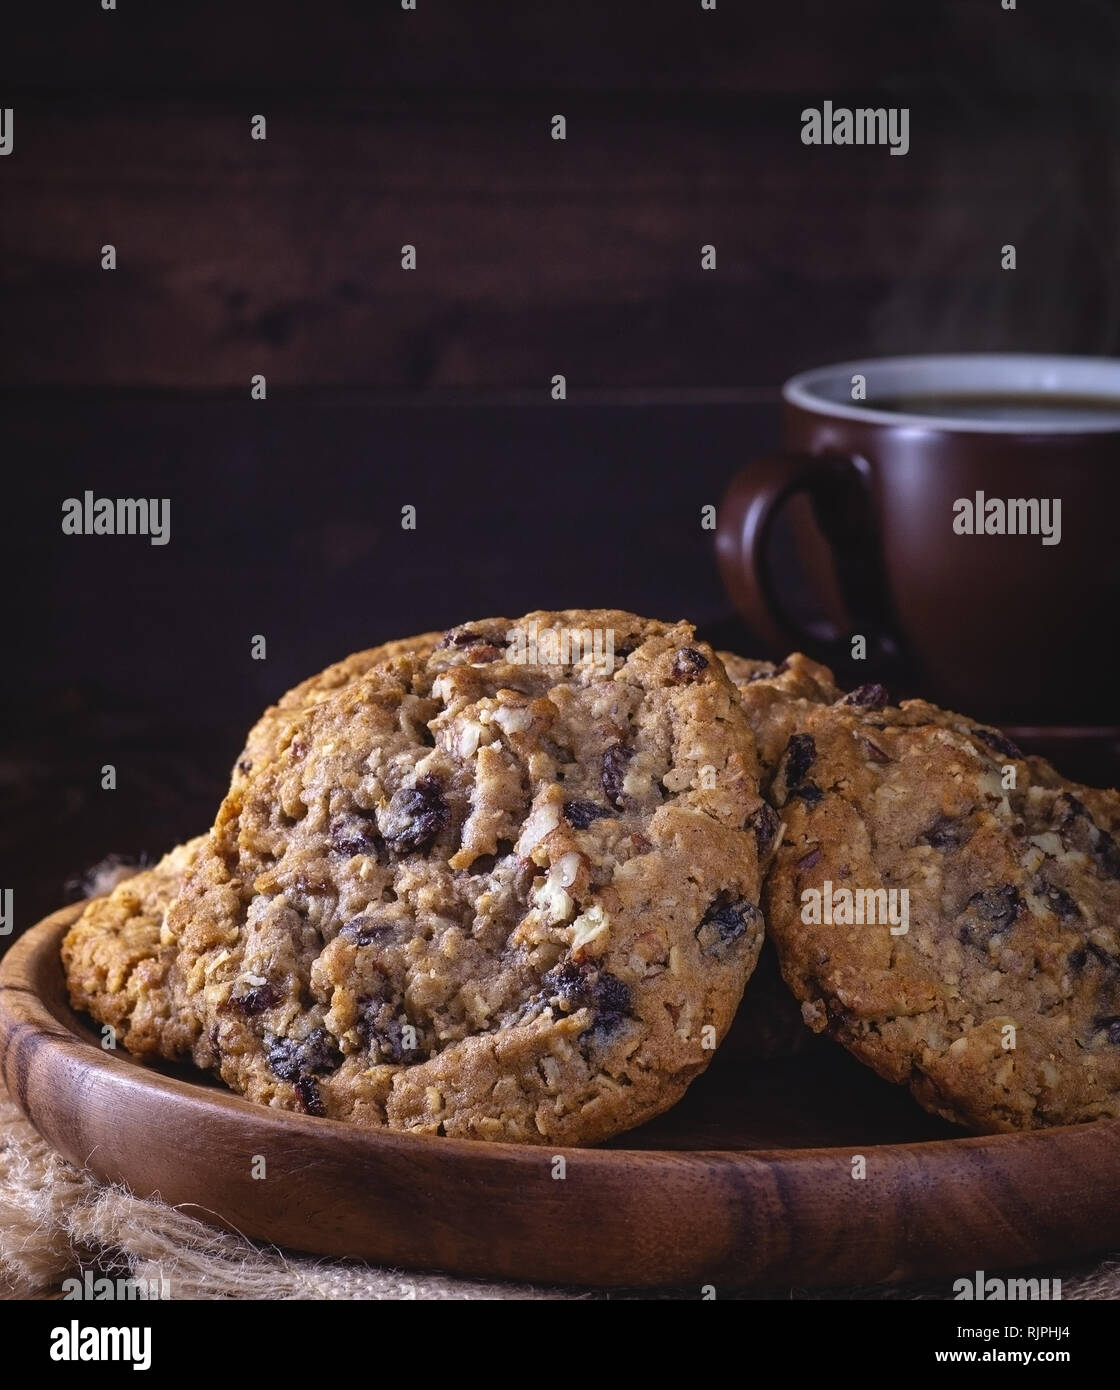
<point>967,514</point>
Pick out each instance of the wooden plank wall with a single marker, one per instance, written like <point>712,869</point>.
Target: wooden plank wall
<point>536,256</point>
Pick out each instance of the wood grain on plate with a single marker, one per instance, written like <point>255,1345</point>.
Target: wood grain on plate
<point>747,1182</point>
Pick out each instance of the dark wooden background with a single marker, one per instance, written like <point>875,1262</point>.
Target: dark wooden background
<point>535,257</point>
<point>538,256</point>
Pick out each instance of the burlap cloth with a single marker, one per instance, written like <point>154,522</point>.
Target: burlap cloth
<point>57,1221</point>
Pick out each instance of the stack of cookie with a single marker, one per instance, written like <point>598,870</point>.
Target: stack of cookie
<point>509,882</point>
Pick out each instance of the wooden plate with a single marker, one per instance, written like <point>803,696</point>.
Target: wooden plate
<point>749,1181</point>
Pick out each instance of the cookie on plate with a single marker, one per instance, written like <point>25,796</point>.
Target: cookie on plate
<point>505,887</point>
<point>949,910</point>
<point>120,960</point>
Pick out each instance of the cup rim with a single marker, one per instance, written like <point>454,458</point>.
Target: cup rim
<point>1032,373</point>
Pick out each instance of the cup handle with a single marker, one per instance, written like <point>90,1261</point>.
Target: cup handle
<point>838,489</point>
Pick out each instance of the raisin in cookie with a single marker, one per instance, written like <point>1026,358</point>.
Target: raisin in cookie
<point>500,888</point>
<point>997,999</point>
<point>120,960</point>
